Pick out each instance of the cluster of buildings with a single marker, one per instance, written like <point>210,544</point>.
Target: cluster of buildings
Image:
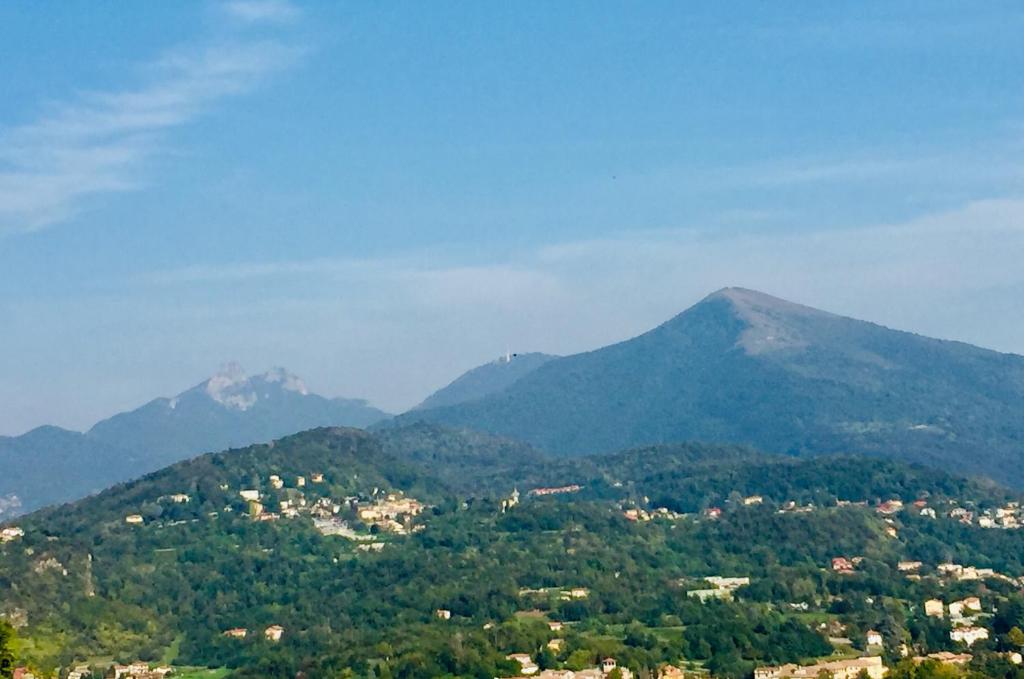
<point>135,670</point>
<point>948,658</point>
<point>636,514</point>
<point>563,593</point>
<point>723,587</point>
<point>837,669</point>
<point>958,610</point>
<point>844,565</point>
<point>386,512</point>
<point>889,507</point>
<point>289,507</point>
<point>955,571</point>
<point>945,657</point>
<point>389,512</point>
<point>1008,516</point>
<point>558,490</point>
<point>272,633</point>
<point>963,614</point>
<point>138,670</point>
<point>792,507</point>
<point>529,668</point>
<point>960,572</point>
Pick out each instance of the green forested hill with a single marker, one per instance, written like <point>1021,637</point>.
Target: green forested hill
<point>90,586</point>
<point>744,367</point>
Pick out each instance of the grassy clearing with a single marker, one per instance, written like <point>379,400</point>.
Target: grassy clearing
<point>201,673</point>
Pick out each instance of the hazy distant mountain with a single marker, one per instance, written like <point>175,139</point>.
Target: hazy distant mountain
<point>230,409</point>
<point>745,367</point>
<point>50,464</point>
<point>486,379</point>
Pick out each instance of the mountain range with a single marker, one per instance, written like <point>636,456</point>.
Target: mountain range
<point>230,409</point>
<point>739,367</point>
<point>745,367</point>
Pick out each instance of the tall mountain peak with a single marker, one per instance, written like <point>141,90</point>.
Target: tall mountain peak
<point>743,366</point>
<point>234,389</point>
<point>230,387</point>
<point>772,323</point>
<point>745,300</point>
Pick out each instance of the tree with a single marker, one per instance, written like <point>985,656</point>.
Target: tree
<point>1016,637</point>
<point>6,650</point>
<point>579,659</point>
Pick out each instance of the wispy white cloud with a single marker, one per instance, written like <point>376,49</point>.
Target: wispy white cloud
<point>617,286</point>
<point>98,142</point>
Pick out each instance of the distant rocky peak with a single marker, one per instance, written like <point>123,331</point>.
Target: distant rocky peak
<point>231,388</point>
<point>287,381</point>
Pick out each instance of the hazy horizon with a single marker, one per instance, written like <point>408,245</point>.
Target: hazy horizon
<point>381,197</point>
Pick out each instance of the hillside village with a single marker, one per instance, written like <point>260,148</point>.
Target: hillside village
<point>862,644</point>
<point>356,517</point>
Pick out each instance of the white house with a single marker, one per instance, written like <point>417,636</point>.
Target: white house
<point>968,635</point>
<point>526,664</point>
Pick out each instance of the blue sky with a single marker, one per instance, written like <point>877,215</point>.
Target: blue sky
<point>381,195</point>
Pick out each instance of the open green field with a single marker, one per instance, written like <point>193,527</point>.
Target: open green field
<point>197,673</point>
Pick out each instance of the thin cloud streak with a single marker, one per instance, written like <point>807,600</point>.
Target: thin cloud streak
<point>988,228</point>
<point>98,143</point>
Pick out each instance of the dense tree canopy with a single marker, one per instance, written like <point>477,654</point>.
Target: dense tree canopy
<point>92,585</point>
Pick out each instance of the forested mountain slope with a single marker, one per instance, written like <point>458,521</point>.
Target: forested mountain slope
<point>744,367</point>
<point>486,379</point>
